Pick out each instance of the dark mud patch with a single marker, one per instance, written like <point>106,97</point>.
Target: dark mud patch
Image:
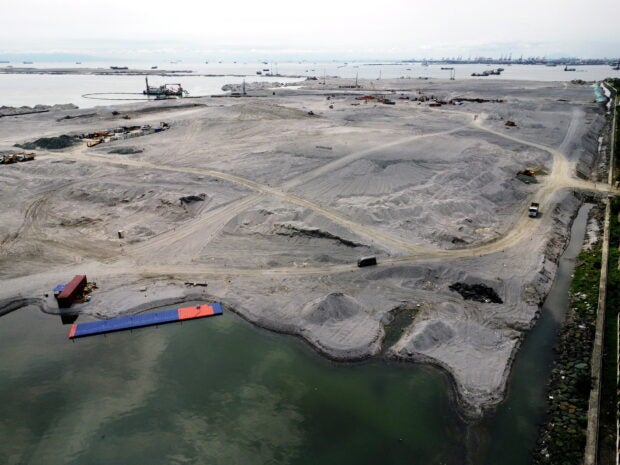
<point>193,198</point>
<point>313,233</point>
<point>477,292</point>
<point>50,143</point>
<point>126,151</point>
<point>399,320</point>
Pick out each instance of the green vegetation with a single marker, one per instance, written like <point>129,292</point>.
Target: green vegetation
<point>615,83</point>
<point>563,437</point>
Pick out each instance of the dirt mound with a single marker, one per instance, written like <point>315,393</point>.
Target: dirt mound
<point>477,292</point>
<point>432,335</point>
<point>292,230</point>
<point>261,111</point>
<point>193,198</point>
<point>60,142</point>
<point>333,307</point>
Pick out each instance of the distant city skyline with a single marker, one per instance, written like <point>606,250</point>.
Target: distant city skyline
<point>246,30</point>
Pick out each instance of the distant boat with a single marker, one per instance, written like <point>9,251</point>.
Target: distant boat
<point>615,68</point>
<point>259,72</point>
<point>566,68</point>
<point>27,62</point>
<point>118,67</point>
<point>78,62</point>
<point>551,65</point>
<point>443,67</point>
<point>153,67</point>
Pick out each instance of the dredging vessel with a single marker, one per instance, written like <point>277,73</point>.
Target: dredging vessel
<point>166,90</point>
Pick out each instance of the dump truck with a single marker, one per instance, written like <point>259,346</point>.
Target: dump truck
<point>367,261</point>
<point>533,211</point>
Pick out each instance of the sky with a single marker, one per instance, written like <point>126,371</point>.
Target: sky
<point>311,29</point>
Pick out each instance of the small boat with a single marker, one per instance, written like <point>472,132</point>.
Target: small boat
<point>566,68</point>
<point>153,67</point>
<point>443,67</point>
<point>78,62</point>
<point>259,72</point>
<point>117,68</point>
<point>27,62</point>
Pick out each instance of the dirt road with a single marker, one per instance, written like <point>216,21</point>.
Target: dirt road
<point>176,243</point>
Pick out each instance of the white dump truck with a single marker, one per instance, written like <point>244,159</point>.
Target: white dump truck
<point>533,211</point>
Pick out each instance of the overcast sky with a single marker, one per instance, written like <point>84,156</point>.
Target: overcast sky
<point>377,29</point>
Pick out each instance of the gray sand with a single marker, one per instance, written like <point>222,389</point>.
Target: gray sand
<point>279,204</point>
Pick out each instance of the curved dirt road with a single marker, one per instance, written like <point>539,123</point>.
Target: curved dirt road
<point>560,177</point>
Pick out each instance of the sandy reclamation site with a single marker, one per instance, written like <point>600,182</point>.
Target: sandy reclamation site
<point>270,199</point>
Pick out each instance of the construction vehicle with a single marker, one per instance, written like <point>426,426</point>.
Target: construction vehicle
<point>16,158</point>
<point>533,210</point>
<point>167,90</point>
<point>367,261</point>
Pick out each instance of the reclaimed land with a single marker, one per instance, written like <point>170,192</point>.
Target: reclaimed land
<point>271,199</point>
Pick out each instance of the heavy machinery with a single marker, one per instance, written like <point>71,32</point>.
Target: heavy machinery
<point>533,210</point>
<point>367,261</point>
<point>16,158</point>
<point>166,90</point>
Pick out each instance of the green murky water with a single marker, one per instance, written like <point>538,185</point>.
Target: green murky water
<point>213,391</point>
<point>220,391</point>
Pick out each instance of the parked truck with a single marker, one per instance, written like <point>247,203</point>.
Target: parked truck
<point>533,211</point>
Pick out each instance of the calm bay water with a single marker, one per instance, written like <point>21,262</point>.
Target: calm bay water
<point>214,391</point>
<point>51,89</point>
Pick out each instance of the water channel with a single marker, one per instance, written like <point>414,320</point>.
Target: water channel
<point>220,391</point>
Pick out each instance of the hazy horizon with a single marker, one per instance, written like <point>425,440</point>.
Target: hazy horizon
<point>321,30</point>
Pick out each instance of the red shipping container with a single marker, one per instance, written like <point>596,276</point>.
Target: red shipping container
<point>72,290</point>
